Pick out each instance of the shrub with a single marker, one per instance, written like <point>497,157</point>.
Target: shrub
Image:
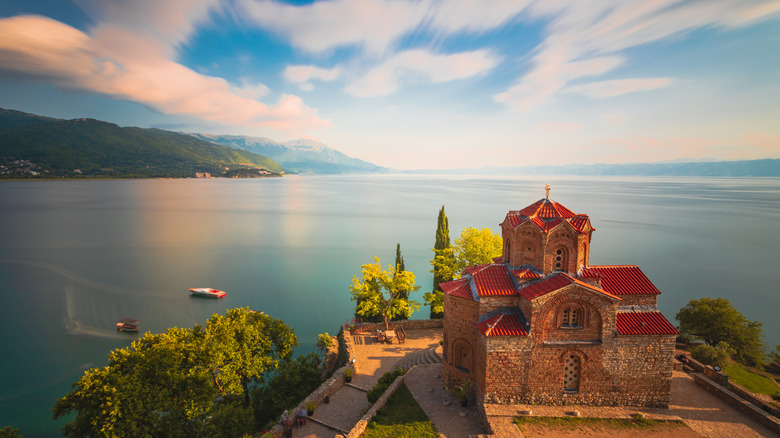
<point>384,382</point>
<point>709,355</point>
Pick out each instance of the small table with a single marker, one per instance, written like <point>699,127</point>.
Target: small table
<point>389,336</point>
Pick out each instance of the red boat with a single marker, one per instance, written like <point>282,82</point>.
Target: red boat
<point>207,292</point>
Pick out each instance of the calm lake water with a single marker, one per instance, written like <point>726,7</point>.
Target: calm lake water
<point>75,256</point>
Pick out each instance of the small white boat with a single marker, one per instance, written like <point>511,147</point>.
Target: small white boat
<point>207,292</point>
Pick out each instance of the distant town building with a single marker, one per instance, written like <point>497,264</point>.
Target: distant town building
<point>202,175</point>
<point>541,325</point>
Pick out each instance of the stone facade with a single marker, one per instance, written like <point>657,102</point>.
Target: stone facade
<point>543,326</point>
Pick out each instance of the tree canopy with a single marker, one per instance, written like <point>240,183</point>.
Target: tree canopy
<point>476,247</point>
<point>383,293</point>
<point>179,382</point>
<point>715,321</point>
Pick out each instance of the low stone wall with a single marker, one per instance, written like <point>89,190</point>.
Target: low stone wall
<point>328,388</point>
<point>747,395</point>
<point>407,324</point>
<point>361,425</point>
<point>734,399</point>
<point>350,349</point>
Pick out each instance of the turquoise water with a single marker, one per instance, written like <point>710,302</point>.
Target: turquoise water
<point>75,256</point>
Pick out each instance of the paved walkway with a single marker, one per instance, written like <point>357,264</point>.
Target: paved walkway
<point>348,405</point>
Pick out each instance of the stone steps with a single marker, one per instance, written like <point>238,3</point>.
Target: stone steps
<point>424,357</point>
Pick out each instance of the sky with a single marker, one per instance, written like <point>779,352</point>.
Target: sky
<point>422,84</point>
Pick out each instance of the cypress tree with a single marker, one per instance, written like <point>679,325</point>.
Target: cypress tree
<point>399,267</point>
<point>441,246</point>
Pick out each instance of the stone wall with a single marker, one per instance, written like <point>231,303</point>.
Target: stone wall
<point>624,371</point>
<point>735,400</point>
<point>407,324</point>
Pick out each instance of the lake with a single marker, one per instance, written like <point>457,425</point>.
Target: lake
<point>75,256</point>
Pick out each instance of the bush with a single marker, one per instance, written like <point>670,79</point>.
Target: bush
<point>384,382</point>
<point>709,355</point>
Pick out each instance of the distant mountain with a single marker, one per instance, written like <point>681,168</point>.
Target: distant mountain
<point>300,156</point>
<point>38,147</point>
<point>749,168</point>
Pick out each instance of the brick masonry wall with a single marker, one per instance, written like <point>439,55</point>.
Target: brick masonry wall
<point>488,304</point>
<point>632,371</point>
<point>460,318</point>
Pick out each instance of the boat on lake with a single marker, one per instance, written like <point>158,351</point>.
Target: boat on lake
<point>127,325</point>
<point>207,292</point>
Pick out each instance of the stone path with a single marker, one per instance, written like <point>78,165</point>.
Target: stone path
<point>449,418</point>
<point>710,416</point>
<point>349,404</point>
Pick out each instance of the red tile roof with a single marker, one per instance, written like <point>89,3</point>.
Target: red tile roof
<point>545,286</point>
<point>643,323</point>
<point>525,274</point>
<point>555,282</point>
<point>586,272</point>
<point>458,288</point>
<point>624,280</point>
<point>491,280</point>
<point>503,324</point>
<point>547,215</point>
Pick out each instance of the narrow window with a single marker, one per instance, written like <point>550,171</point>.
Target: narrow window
<point>572,318</point>
<point>560,260</point>
<point>571,374</point>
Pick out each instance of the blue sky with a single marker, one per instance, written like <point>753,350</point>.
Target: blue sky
<point>414,84</point>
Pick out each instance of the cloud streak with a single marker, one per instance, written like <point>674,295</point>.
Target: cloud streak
<point>125,63</point>
<point>583,34</point>
<point>420,66</point>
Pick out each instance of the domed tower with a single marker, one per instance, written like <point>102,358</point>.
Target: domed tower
<point>547,236</point>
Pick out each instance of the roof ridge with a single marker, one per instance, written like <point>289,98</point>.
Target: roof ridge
<point>492,326</point>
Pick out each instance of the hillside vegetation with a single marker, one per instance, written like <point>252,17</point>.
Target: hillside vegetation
<point>41,147</point>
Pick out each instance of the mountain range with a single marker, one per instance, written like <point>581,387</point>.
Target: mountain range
<point>34,146</point>
<point>298,156</point>
<point>41,147</point>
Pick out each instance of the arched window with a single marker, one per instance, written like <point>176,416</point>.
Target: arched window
<point>571,318</point>
<point>508,252</point>
<point>559,260</point>
<point>571,373</point>
<point>461,355</point>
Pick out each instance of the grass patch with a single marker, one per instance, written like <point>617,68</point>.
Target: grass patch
<point>596,424</point>
<point>750,380</point>
<point>400,417</point>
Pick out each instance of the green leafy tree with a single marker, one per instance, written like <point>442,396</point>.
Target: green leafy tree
<point>774,356</point>
<point>381,292</point>
<point>174,384</point>
<point>9,432</point>
<point>476,247</point>
<point>284,388</point>
<point>324,341</point>
<point>443,265</point>
<point>715,320</point>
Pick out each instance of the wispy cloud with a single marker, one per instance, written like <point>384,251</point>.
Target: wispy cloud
<point>124,63</point>
<point>584,34</point>
<point>303,74</point>
<point>421,66</point>
<point>617,87</point>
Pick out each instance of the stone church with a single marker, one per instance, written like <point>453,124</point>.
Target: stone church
<point>542,325</point>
